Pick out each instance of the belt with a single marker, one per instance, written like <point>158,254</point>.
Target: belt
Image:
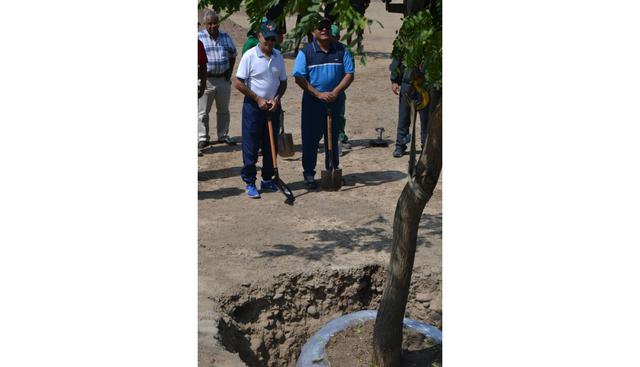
<point>215,75</point>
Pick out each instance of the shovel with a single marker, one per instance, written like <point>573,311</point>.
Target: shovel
<point>330,180</point>
<point>281,185</point>
<point>285,140</point>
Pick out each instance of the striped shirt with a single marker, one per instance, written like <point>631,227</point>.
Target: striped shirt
<point>323,70</point>
<point>218,51</point>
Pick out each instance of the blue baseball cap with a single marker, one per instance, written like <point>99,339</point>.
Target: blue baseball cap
<point>269,29</point>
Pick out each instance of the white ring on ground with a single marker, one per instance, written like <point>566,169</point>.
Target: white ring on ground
<point>313,353</point>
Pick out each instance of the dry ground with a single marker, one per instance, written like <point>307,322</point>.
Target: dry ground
<point>243,240</point>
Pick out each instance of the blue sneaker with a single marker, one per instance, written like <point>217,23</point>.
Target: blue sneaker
<point>268,186</point>
<point>252,192</point>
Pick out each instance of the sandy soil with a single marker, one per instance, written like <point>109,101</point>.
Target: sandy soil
<point>244,240</point>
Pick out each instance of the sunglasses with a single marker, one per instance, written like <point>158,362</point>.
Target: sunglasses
<point>323,26</point>
<point>270,39</point>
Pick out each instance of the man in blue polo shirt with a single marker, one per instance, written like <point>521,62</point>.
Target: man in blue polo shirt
<point>262,78</point>
<point>323,69</point>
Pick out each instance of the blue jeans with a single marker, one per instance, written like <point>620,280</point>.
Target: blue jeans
<point>314,126</point>
<point>255,135</point>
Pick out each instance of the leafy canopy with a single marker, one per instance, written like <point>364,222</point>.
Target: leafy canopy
<point>417,45</point>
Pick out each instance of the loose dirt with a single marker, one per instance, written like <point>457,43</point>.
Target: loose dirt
<point>267,323</point>
<point>352,348</point>
<point>248,241</point>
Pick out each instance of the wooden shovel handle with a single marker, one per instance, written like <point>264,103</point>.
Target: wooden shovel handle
<point>273,146</point>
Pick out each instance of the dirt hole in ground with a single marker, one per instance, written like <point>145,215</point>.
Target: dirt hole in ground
<point>352,348</point>
<point>268,323</point>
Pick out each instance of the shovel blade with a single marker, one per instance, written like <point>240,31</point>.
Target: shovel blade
<point>285,145</point>
<point>325,180</point>
<point>337,179</point>
<point>285,190</point>
<point>331,180</point>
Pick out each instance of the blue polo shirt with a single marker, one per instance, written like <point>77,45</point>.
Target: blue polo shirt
<point>323,70</point>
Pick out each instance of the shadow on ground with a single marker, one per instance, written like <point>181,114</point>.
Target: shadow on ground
<point>220,193</point>
<point>220,147</point>
<point>430,226</point>
<point>371,178</point>
<point>351,181</point>
<point>378,54</point>
<point>375,235</point>
<point>219,173</point>
<point>366,143</point>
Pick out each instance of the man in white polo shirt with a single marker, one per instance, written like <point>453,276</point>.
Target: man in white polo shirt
<point>262,78</point>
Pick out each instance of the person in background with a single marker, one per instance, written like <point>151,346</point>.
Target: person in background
<point>221,55</point>
<point>202,76</point>
<point>323,69</point>
<point>359,6</point>
<point>400,85</point>
<point>272,15</point>
<point>262,78</point>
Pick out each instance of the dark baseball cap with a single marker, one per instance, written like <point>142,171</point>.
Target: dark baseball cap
<point>269,29</point>
<point>324,22</point>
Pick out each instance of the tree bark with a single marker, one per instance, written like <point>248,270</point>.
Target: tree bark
<point>387,334</point>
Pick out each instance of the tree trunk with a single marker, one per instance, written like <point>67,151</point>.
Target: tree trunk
<point>387,334</point>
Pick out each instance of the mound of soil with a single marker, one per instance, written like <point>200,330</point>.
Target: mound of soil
<point>352,347</point>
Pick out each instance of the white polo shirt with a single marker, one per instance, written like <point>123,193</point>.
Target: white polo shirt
<point>261,74</point>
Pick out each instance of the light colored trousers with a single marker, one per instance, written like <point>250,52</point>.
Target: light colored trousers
<point>218,89</point>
